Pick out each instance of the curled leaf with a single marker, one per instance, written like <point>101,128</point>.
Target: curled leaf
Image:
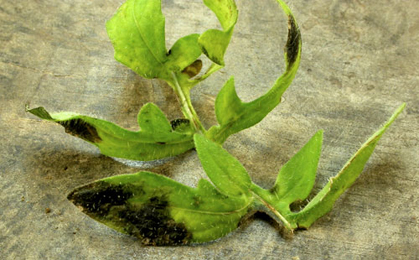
<point>214,42</point>
<point>234,115</point>
<point>138,35</point>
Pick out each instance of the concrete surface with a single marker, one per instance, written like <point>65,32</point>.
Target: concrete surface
<point>360,62</point>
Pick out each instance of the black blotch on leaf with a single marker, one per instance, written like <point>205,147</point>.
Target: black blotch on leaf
<point>179,122</point>
<point>98,198</point>
<point>81,129</point>
<point>149,221</point>
<point>153,225</point>
<point>293,43</point>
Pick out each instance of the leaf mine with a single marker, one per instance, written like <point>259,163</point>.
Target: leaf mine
<point>81,129</point>
<point>150,222</point>
<point>160,211</point>
<point>156,138</point>
<point>292,47</point>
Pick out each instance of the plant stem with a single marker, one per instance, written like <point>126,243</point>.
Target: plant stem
<point>186,105</point>
<point>264,197</point>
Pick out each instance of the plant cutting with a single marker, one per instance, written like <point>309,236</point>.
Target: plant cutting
<point>161,211</point>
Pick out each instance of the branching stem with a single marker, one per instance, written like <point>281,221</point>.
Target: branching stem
<point>186,105</point>
<point>263,197</point>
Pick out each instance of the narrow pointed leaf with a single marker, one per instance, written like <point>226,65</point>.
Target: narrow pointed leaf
<point>214,42</point>
<point>233,115</point>
<point>160,211</point>
<point>155,140</point>
<point>324,200</point>
<point>228,105</point>
<point>225,171</point>
<point>297,176</point>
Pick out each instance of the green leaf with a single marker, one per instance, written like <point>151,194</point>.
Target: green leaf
<point>137,32</point>
<point>297,176</point>
<point>138,36</point>
<point>184,53</point>
<point>160,211</point>
<point>324,200</point>
<point>225,171</point>
<point>188,83</point>
<point>182,125</point>
<point>155,140</point>
<point>152,119</point>
<point>233,115</point>
<point>214,42</point>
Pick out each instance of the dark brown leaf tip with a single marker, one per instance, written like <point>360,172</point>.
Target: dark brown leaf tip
<point>292,47</point>
<point>81,129</point>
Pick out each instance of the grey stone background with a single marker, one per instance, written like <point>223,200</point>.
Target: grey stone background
<point>360,62</point>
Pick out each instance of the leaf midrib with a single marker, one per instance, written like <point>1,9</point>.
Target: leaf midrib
<point>216,213</point>
<point>142,36</point>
